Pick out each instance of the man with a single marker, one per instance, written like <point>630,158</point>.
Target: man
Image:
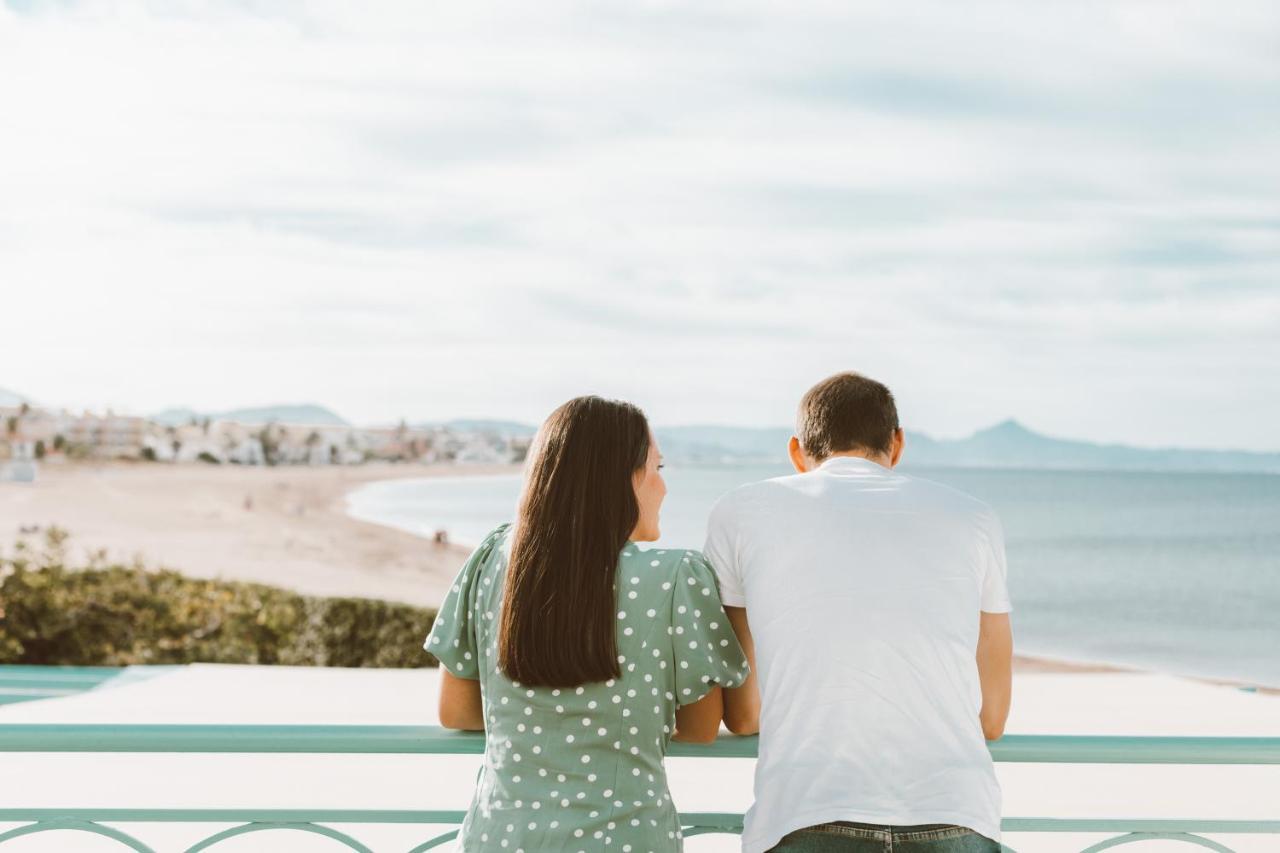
<point>875,615</point>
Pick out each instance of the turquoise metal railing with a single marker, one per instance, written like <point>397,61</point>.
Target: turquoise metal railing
<point>436,741</point>
<point>24,683</point>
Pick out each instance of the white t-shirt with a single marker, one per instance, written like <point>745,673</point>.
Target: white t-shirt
<point>863,587</point>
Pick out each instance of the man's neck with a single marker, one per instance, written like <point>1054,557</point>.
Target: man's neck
<point>881,459</point>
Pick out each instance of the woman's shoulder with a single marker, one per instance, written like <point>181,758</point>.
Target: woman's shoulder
<point>663,565</point>
<point>485,557</point>
<point>658,558</point>
<point>495,543</point>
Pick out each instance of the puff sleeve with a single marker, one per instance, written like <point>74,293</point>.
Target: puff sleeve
<point>453,639</point>
<point>704,647</point>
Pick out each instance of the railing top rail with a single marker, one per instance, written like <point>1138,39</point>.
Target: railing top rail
<point>336,739</point>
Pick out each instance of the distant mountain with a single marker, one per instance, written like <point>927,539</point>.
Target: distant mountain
<point>722,444</point>
<point>303,413</point>
<point>13,399</point>
<point>175,417</point>
<point>1008,444</point>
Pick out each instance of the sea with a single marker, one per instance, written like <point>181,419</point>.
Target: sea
<point>1166,572</point>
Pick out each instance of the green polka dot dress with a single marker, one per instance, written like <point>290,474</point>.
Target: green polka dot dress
<point>580,769</point>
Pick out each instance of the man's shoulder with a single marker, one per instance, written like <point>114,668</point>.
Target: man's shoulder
<point>945,497</point>
<point>755,493</point>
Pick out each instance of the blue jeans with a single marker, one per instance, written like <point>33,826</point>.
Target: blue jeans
<point>844,837</point>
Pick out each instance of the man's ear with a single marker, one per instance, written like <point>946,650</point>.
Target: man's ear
<point>899,444</point>
<point>796,452</point>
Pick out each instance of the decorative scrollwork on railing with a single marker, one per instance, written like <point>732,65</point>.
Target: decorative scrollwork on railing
<point>74,825</point>
<point>1135,837</point>
<point>726,827</point>
<point>432,843</point>
<point>702,824</point>
<point>246,828</point>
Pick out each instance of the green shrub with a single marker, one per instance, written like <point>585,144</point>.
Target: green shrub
<point>114,615</point>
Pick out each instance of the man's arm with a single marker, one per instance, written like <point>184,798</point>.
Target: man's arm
<point>742,704</point>
<point>995,672</point>
<point>461,706</point>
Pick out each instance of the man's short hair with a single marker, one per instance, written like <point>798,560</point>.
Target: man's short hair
<point>844,412</point>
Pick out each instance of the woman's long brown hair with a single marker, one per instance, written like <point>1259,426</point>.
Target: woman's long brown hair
<point>577,510</point>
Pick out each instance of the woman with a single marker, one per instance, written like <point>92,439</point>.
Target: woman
<point>580,654</point>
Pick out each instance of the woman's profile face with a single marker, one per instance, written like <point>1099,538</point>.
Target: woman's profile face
<point>650,490</point>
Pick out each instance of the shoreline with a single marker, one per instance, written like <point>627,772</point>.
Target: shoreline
<point>354,507</point>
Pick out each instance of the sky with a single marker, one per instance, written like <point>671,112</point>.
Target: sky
<point>1064,213</point>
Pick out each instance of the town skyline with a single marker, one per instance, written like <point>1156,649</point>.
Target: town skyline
<point>476,435</point>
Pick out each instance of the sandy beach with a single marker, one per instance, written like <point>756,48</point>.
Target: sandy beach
<point>286,526</point>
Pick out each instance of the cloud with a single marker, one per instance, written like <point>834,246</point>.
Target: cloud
<point>1064,212</point>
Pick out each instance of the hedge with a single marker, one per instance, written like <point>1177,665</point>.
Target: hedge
<point>104,614</point>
